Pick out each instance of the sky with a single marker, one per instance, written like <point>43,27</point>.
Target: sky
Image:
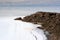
<point>31,2</point>
<point>19,7</point>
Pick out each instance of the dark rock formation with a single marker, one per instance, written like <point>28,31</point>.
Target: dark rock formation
<point>49,21</point>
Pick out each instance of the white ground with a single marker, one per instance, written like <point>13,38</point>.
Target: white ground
<point>18,30</point>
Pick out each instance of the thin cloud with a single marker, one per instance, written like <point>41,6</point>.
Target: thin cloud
<point>12,0</point>
<point>30,2</point>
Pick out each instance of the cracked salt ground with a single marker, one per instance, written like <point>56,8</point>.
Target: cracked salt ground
<point>17,30</point>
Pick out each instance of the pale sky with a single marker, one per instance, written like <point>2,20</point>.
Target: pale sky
<point>32,1</point>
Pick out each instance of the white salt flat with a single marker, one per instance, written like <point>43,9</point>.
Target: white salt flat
<point>17,30</point>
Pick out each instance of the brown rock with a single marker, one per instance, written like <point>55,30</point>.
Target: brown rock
<point>50,22</point>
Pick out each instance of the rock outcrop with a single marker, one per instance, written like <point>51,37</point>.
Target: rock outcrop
<point>50,22</point>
